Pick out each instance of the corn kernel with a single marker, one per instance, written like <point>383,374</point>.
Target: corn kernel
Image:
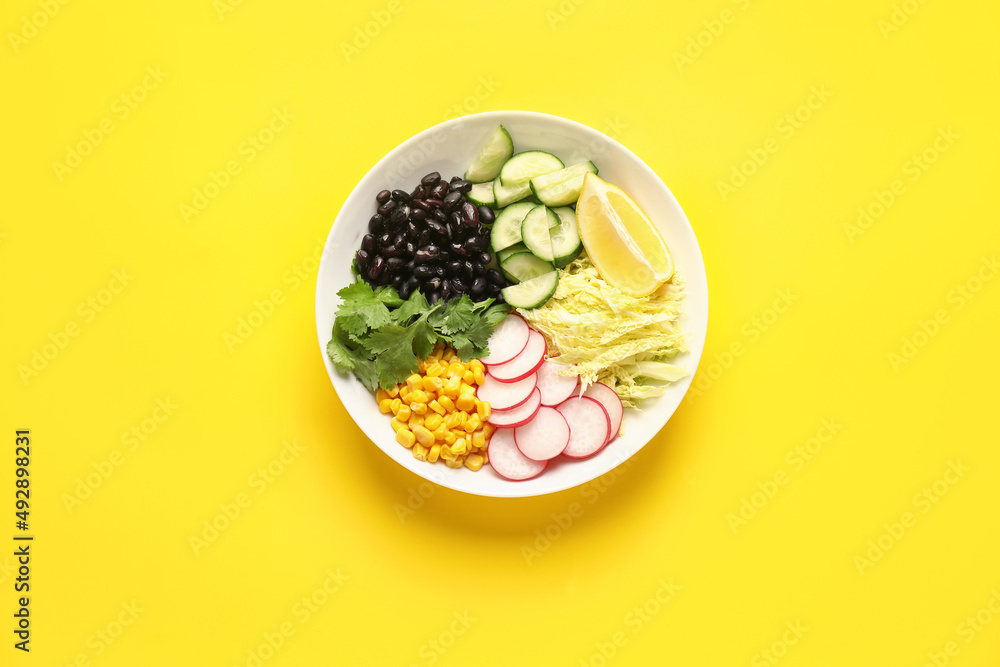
<point>415,420</point>
<point>435,370</point>
<point>420,452</point>
<point>414,381</point>
<point>484,410</point>
<point>434,453</point>
<point>432,383</point>
<point>450,438</point>
<point>474,462</point>
<point>488,430</point>
<point>472,423</point>
<point>446,403</point>
<point>446,453</point>
<point>393,391</point>
<point>419,408</point>
<point>455,419</point>
<point>453,463</point>
<point>478,440</point>
<point>404,413</point>
<point>475,365</point>
<point>424,437</point>
<point>468,377</point>
<point>479,376</point>
<point>455,369</point>
<point>466,402</point>
<point>404,390</point>
<point>405,437</point>
<point>385,406</point>
<point>381,395</point>
<point>460,447</point>
<point>433,420</point>
<point>418,396</point>
<point>437,407</point>
<point>395,424</point>
<point>451,387</point>
<point>440,432</point>
<point>466,389</point>
<point>395,405</point>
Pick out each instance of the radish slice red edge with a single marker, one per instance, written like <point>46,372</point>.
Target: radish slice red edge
<point>518,416</point>
<point>589,426</point>
<point>525,363</point>
<point>555,388</point>
<point>505,395</point>
<point>508,461</point>
<point>544,437</point>
<point>507,341</point>
<point>607,397</point>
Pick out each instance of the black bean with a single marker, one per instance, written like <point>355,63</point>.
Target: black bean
<point>421,204</point>
<point>385,239</point>
<point>428,253</point>
<point>453,267</point>
<point>446,290</point>
<point>419,192</point>
<point>433,297</point>
<point>459,285</point>
<point>412,230</point>
<point>457,249</point>
<point>423,271</point>
<point>485,258</point>
<point>496,278</point>
<point>486,215</point>
<point>492,290</point>
<point>376,223</point>
<point>361,259</point>
<point>439,190</point>
<point>432,284</point>
<point>375,269</point>
<point>440,215</point>
<point>418,214</point>
<point>397,281</point>
<point>478,269</point>
<point>461,185</point>
<point>457,219</point>
<point>455,179</point>
<point>402,196</point>
<point>431,178</point>
<point>383,196</point>
<point>470,214</point>
<point>452,200</point>
<point>399,215</point>
<point>437,228</point>
<point>391,251</point>
<point>385,208</point>
<point>439,271</point>
<point>478,286</point>
<point>368,242</point>
<point>395,264</point>
<point>434,202</point>
<point>409,249</point>
<point>468,268</point>
<point>405,290</point>
<point>480,243</point>
<point>399,239</point>
<point>424,238</point>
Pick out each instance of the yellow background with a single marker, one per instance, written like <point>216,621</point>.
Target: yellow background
<point>337,504</point>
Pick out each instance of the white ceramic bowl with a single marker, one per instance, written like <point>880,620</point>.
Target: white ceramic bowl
<point>449,148</point>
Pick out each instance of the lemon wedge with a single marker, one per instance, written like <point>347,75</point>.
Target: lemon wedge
<point>621,240</point>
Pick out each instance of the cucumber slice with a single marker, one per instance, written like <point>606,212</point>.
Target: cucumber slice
<point>506,196</point>
<point>481,194</point>
<point>535,231</point>
<point>561,194</point>
<point>524,266</point>
<point>492,156</point>
<point>510,250</point>
<point>525,166</point>
<point>507,226</point>
<point>532,293</point>
<point>566,244</point>
<point>552,178</point>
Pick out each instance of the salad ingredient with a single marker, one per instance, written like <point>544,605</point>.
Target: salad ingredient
<point>491,157</point>
<point>522,167</point>
<point>561,176</point>
<point>555,388</point>
<point>589,425</point>
<point>511,250</point>
<point>433,239</point>
<point>544,437</point>
<point>506,395</point>
<point>523,266</point>
<point>481,194</point>
<point>531,293</point>
<point>611,337</point>
<point>436,413</point>
<point>508,461</point>
<point>518,416</point>
<point>535,231</point>
<point>507,341</point>
<point>561,194</point>
<point>621,240</point>
<point>607,397</point>
<point>565,238</point>
<point>506,230</point>
<point>525,363</point>
<point>381,338</point>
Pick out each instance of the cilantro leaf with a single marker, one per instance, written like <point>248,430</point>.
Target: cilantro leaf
<point>349,357</point>
<point>364,370</point>
<point>363,308</point>
<point>457,316</point>
<point>424,338</point>
<point>393,349</point>
<point>473,342</point>
<point>415,305</point>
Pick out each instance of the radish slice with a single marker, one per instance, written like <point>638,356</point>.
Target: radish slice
<point>589,426</point>
<point>525,363</point>
<point>518,416</point>
<point>507,341</point>
<point>607,397</point>
<point>544,437</point>
<point>505,395</point>
<point>508,461</point>
<point>555,388</point>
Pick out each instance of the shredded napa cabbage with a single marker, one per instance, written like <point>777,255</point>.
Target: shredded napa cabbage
<point>604,335</point>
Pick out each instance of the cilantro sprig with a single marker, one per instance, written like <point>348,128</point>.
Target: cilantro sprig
<point>381,338</point>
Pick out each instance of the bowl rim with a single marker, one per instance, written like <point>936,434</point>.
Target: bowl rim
<point>434,473</point>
